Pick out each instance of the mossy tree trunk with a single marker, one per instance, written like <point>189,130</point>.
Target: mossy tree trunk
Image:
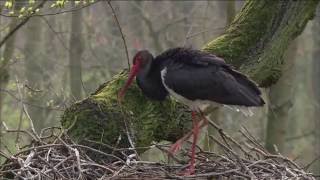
<point>254,43</point>
<point>256,40</point>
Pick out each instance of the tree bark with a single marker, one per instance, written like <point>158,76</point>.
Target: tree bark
<point>280,103</point>
<point>255,43</point>
<point>316,86</point>
<point>76,49</point>
<point>259,35</point>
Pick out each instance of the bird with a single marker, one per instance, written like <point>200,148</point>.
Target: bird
<point>194,78</point>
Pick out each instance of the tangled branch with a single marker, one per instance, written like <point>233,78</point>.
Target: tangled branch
<point>56,156</point>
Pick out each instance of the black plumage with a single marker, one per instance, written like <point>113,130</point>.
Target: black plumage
<point>197,75</point>
<point>192,77</point>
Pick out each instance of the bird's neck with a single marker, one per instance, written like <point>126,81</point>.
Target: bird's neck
<point>149,80</point>
<point>147,69</point>
<point>147,75</point>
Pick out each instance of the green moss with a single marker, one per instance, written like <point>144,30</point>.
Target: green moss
<point>245,31</point>
<point>258,37</point>
<point>100,118</point>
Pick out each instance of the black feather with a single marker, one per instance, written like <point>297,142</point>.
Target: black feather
<point>197,75</point>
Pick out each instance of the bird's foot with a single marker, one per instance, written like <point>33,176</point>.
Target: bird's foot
<point>189,171</point>
<point>176,147</point>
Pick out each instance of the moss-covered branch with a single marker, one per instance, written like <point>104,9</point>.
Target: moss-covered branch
<point>100,118</point>
<point>259,35</point>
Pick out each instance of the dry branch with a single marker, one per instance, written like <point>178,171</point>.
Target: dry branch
<point>58,157</point>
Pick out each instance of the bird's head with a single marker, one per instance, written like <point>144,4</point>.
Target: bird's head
<point>140,61</point>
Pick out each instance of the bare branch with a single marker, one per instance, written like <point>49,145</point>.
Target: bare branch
<point>121,32</point>
<point>23,22</point>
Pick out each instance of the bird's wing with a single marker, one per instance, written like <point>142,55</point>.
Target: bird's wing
<point>211,81</point>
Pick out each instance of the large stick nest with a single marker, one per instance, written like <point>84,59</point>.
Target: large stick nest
<point>53,155</point>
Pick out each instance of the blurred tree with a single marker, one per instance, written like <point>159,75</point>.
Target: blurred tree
<point>153,33</point>
<point>209,144</point>
<point>316,85</point>
<point>4,62</point>
<point>34,72</point>
<point>280,103</point>
<point>231,11</point>
<point>75,55</point>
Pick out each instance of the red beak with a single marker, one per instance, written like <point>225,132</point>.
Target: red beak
<point>133,72</point>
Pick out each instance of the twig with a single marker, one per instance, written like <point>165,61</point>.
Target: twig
<point>66,48</point>
<point>54,14</point>
<point>26,113</point>
<point>78,162</point>
<point>61,158</point>
<point>311,163</point>
<point>23,22</point>
<point>4,155</point>
<point>121,32</point>
<point>27,103</point>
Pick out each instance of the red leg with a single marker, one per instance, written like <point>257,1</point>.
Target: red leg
<point>177,145</point>
<point>197,126</point>
<point>196,130</point>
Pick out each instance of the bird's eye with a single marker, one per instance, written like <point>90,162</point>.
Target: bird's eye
<point>137,59</point>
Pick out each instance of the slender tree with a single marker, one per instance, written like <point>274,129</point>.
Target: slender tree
<point>34,72</point>
<point>316,85</point>
<point>75,55</point>
<point>4,61</point>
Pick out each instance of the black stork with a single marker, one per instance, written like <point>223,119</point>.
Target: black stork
<point>194,78</point>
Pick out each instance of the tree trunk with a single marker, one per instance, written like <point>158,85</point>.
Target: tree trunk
<point>75,54</point>
<point>4,73</point>
<point>33,71</point>
<point>255,42</point>
<point>257,39</point>
<point>153,33</point>
<point>316,85</point>
<point>231,11</point>
<point>209,144</point>
<point>280,102</point>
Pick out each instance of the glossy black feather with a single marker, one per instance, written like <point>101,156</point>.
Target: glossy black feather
<point>151,84</point>
<point>197,75</point>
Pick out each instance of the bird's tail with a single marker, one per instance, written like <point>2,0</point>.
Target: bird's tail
<point>250,89</point>
<point>247,111</point>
